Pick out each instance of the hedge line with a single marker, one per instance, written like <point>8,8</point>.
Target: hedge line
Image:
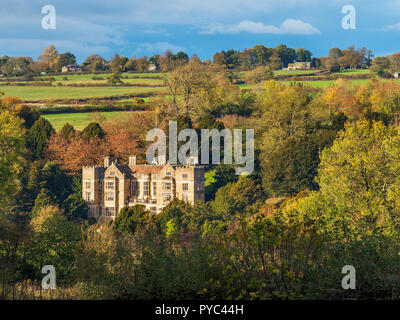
<point>89,108</point>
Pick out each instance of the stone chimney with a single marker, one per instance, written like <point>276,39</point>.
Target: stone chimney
<point>132,160</point>
<point>107,161</point>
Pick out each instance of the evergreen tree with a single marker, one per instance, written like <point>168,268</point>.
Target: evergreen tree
<point>67,131</point>
<point>92,130</point>
<point>75,207</point>
<point>40,132</point>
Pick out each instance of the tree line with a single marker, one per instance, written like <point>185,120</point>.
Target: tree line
<point>259,56</point>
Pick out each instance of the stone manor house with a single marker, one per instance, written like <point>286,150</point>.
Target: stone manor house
<point>108,188</point>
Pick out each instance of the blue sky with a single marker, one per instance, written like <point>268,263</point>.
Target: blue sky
<point>131,27</point>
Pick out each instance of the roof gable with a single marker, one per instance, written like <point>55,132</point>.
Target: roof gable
<point>113,168</point>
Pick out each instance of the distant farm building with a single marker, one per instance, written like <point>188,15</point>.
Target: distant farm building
<point>152,67</point>
<point>299,66</point>
<point>72,68</point>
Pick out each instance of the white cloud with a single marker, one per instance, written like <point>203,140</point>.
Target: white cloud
<point>393,27</point>
<point>175,12</point>
<point>289,26</point>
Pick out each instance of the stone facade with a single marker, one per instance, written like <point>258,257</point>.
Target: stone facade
<point>108,188</point>
<point>72,68</point>
<point>299,66</point>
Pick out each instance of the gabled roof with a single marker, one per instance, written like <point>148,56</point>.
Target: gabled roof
<point>146,168</point>
<point>125,169</point>
<point>116,167</point>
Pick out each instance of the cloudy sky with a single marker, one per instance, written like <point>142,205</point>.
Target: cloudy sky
<point>146,27</point>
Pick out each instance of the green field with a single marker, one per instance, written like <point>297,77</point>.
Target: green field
<point>81,120</point>
<point>133,78</point>
<point>314,84</point>
<point>46,93</point>
<point>134,81</point>
<point>88,76</point>
<point>355,72</point>
<point>294,72</point>
<point>247,86</point>
<point>327,83</point>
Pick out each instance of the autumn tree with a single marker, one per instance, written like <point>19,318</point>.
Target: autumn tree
<point>395,62</point>
<point>259,74</point>
<point>55,241</point>
<point>95,63</point>
<point>115,78</point>
<point>127,137</point>
<point>62,60</point>
<point>131,64</point>
<point>17,66</point>
<point>360,172</point>
<point>380,66</point>
<point>71,154</point>
<point>183,83</point>
<point>342,97</point>
<point>142,64</point>
<point>48,55</point>
<point>12,156</point>
<point>383,97</point>
<point>285,113</point>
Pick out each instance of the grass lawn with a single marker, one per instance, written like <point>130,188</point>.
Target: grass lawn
<point>328,83</point>
<point>315,84</point>
<point>83,79</point>
<point>246,86</point>
<point>355,71</point>
<point>89,76</point>
<point>81,120</point>
<point>294,72</point>
<point>46,93</point>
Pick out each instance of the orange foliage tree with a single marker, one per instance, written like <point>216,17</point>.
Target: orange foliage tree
<point>128,137</point>
<point>75,152</point>
<point>123,137</point>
